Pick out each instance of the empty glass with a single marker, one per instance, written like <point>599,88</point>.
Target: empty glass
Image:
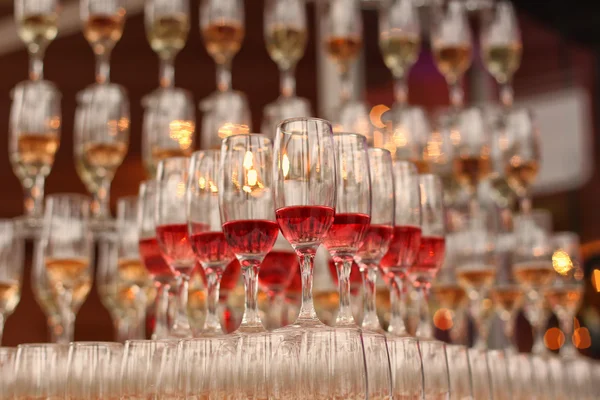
<point>8,357</point>
<point>93,371</point>
<point>459,372</point>
<point>436,378</point>
<point>40,371</point>
<point>499,376</point>
<point>407,368</point>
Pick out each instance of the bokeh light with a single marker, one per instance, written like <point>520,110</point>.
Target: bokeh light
<point>442,319</point>
<point>596,279</point>
<point>561,261</point>
<point>554,338</point>
<point>582,338</point>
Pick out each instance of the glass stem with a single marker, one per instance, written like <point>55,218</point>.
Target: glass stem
<point>275,313</point>
<point>121,330</point>
<point>509,330</point>
<point>167,73</point>
<point>506,94</point>
<point>477,311</point>
<point>525,204</point>
<point>139,329</point>
<point>287,82</point>
<point>346,86</point>
<point>55,327</point>
<point>161,325</point>
<point>424,329</point>
<point>397,326</point>
<point>100,201</point>
<point>370,318</point>
<point>1,327</point>
<point>34,196</point>
<point>67,317</point>
<point>456,94</point>
<point>566,324</point>
<point>224,76</point>
<point>36,64</point>
<point>307,309</point>
<point>535,315</point>
<point>343,268</point>
<point>212,325</point>
<point>181,325</point>
<point>251,319</point>
<point>103,67</point>
<point>400,91</point>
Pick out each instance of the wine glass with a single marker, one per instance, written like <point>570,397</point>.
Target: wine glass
<point>400,43</point>
<point>304,173</point>
<point>565,293</point>
<point>11,269</point>
<point>225,113</point>
<point>103,21</point>
<point>37,26</point>
<point>404,248</point>
<point>101,145</point>
<point>353,213</point>
<point>407,368</point>
<point>247,212</point>
<point>222,28</point>
<point>8,357</point>
<point>459,372</point>
<point>168,127</point>
<point>342,30</point>
<point>501,46</point>
<point>167,27</point>
<point>476,265</point>
<point>431,251</point>
<point>172,232</point>
<point>140,367</point>
<point>520,373</point>
<point>436,376</point>
<point>379,233</point>
<point>500,385</point>
<point>533,267</point>
<point>452,46</point>
<point>66,248</point>
<point>480,376</point>
<point>521,153</point>
<point>34,137</point>
<point>93,370</point>
<point>205,229</point>
<point>150,254</point>
<point>40,371</point>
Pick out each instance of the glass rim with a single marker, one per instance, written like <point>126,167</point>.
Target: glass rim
<point>406,165</point>
<point>42,345</point>
<point>350,134</point>
<point>261,136</point>
<point>91,343</point>
<point>71,195</point>
<point>42,83</point>
<point>198,153</point>
<point>379,150</point>
<point>301,119</point>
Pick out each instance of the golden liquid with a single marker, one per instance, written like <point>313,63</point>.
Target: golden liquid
<point>567,297</point>
<point>104,31</point>
<point>133,271</point>
<point>35,154</point>
<point>159,153</point>
<point>452,61</point>
<point>196,301</point>
<point>423,166</point>
<point>521,175</point>
<point>38,29</point>
<point>223,40</point>
<point>400,52</point>
<point>286,45</point>
<point>450,296</point>
<point>48,291</point>
<point>469,171</point>
<point>343,49</point>
<point>534,273</point>
<point>107,156</point>
<point>502,61</point>
<point>168,33</point>
<point>66,272</point>
<point>507,299</point>
<point>476,278</point>
<point>10,294</point>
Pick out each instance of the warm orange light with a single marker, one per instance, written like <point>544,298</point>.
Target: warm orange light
<point>442,319</point>
<point>596,279</point>
<point>229,129</point>
<point>561,261</point>
<point>376,114</point>
<point>582,338</point>
<point>554,338</point>
<point>182,131</point>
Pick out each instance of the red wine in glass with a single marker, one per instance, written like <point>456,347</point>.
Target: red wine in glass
<point>154,261</point>
<point>176,247</point>
<point>346,233</point>
<point>429,260</point>
<point>355,276</point>
<point>305,227</point>
<point>211,249</point>
<point>277,271</point>
<point>403,250</point>
<point>251,238</point>
<point>375,242</point>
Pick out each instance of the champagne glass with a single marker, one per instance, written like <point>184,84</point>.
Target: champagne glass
<point>103,22</point>
<point>37,25</point>
<point>222,28</point>
<point>353,213</point>
<point>431,251</point>
<point>342,30</point>
<point>565,294</point>
<point>521,154</point>
<point>520,373</point>
<point>168,127</point>
<point>167,28</point>
<point>399,42</point>
<point>150,254</point>
<point>11,269</point>
<point>407,367</point>
<point>40,371</point>
<point>305,196</point>
<point>501,46</point>
<point>533,267</point>
<point>93,370</point>
<point>172,232</point>
<point>225,113</point>
<point>452,46</point>
<point>102,143</point>
<point>205,229</point>
<point>436,376</point>
<point>247,212</point>
<point>476,264</point>
<point>66,248</point>
<point>8,356</point>
<point>34,137</point>
<point>404,248</point>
